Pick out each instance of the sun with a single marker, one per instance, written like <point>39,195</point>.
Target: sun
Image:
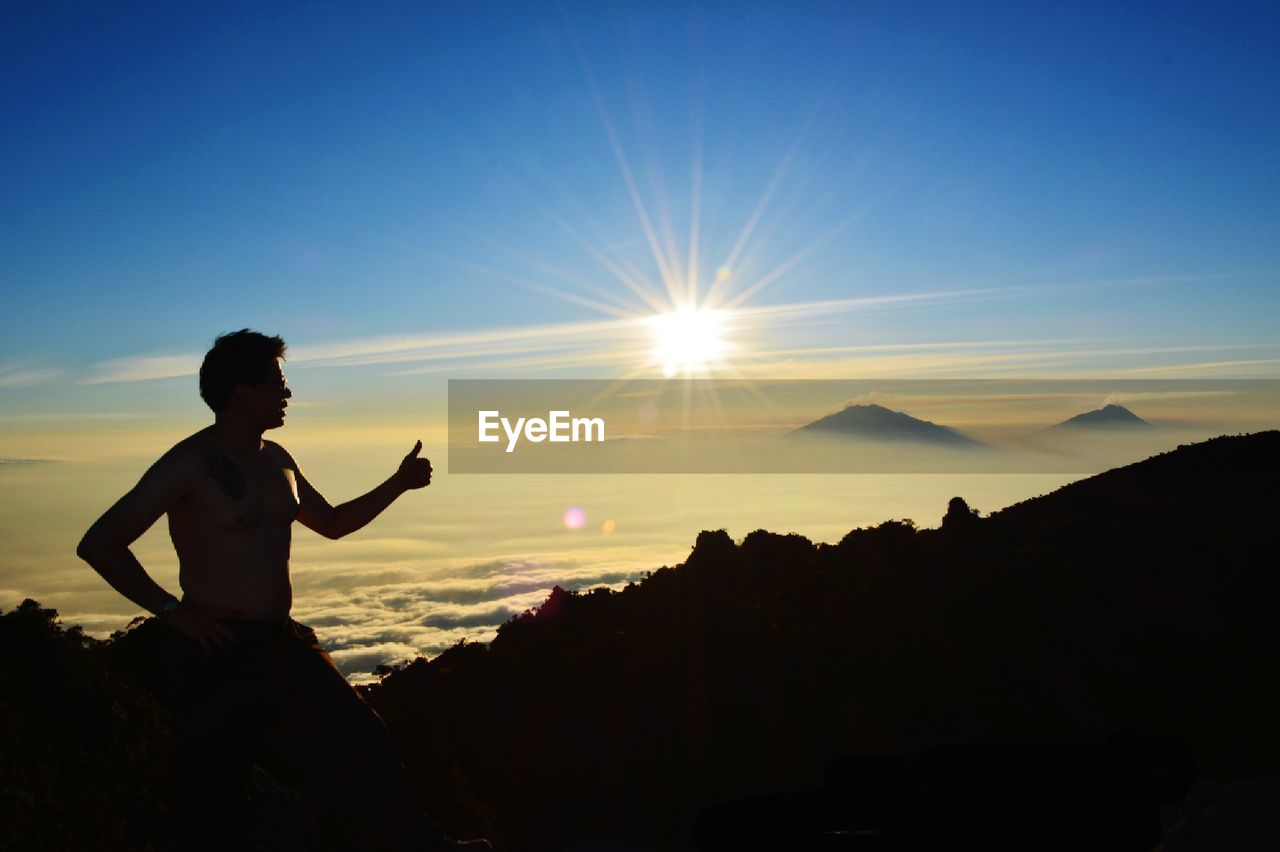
<point>689,341</point>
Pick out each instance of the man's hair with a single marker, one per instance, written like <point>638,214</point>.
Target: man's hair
<point>237,358</point>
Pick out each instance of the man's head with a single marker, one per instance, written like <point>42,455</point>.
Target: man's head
<point>242,370</point>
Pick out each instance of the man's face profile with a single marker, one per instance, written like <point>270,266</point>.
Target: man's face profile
<point>265,400</point>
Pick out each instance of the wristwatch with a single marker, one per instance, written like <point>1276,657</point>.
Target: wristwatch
<point>169,607</point>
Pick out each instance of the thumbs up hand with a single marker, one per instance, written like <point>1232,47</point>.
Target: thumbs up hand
<point>414,472</point>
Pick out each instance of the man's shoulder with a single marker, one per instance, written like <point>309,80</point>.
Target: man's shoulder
<point>279,453</point>
<point>183,461</point>
<point>191,452</point>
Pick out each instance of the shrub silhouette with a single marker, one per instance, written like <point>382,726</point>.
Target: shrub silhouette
<point>85,752</point>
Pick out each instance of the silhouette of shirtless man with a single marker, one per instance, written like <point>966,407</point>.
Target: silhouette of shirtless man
<point>249,684</point>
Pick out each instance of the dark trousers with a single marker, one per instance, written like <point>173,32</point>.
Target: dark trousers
<point>277,700</point>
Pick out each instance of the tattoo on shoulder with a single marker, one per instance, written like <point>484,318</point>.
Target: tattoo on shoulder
<point>227,474</point>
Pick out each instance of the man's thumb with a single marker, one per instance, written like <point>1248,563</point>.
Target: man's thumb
<point>417,448</point>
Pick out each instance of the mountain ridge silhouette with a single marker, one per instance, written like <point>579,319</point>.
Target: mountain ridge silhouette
<point>1138,599</point>
<point>1129,600</point>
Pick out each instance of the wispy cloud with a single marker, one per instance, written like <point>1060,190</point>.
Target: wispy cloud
<point>1249,367</point>
<point>143,368</point>
<point>1153,280</point>
<point>828,307</point>
<point>20,376</point>
<point>626,343</point>
<point>592,343</point>
<point>1000,359</point>
<point>64,416</point>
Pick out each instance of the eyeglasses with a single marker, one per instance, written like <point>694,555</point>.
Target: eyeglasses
<point>277,384</point>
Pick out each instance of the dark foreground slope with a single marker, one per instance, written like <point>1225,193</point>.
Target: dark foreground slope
<point>85,753</point>
<point>1135,600</point>
<point>1139,600</point>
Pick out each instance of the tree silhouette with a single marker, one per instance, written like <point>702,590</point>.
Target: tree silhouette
<point>959,516</point>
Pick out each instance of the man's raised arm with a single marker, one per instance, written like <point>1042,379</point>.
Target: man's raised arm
<point>315,512</point>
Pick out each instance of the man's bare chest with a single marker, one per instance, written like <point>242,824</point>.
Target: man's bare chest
<point>237,493</point>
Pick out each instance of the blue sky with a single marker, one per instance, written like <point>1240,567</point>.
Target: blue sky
<point>333,171</point>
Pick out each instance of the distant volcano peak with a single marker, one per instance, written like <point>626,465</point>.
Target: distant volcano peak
<point>1110,416</point>
<point>875,422</point>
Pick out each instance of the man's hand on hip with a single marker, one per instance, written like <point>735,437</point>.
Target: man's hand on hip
<point>202,627</point>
